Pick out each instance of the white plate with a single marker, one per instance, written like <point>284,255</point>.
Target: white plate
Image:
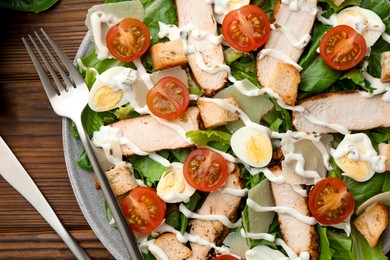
<point>90,200</point>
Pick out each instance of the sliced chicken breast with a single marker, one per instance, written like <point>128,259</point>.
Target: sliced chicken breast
<point>200,14</point>
<point>270,70</point>
<point>347,109</point>
<point>299,236</point>
<point>150,136</point>
<point>217,203</point>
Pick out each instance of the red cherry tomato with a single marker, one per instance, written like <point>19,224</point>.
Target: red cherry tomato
<point>128,40</point>
<point>143,209</point>
<point>342,47</point>
<point>168,99</point>
<point>224,257</point>
<point>205,170</point>
<point>247,28</point>
<point>330,202</point>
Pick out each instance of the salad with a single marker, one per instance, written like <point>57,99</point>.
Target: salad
<point>244,129</point>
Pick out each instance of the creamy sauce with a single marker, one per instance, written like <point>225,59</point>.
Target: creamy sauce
<point>282,210</point>
<point>235,192</point>
<point>264,236</point>
<point>291,254</point>
<point>378,86</point>
<point>300,44</point>
<point>280,56</point>
<point>211,217</point>
<point>98,20</point>
<point>386,37</point>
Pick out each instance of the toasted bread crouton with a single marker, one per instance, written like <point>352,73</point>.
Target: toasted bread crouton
<point>372,222</point>
<point>385,64</point>
<point>384,150</point>
<point>173,248</point>
<point>338,2</point>
<point>214,115</point>
<point>121,178</point>
<point>284,81</point>
<point>168,55</point>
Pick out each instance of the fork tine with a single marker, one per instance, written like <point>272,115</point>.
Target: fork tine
<point>47,85</point>
<point>57,65</point>
<point>76,76</point>
<point>48,66</point>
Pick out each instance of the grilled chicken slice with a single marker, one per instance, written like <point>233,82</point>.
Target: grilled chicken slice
<point>299,236</point>
<point>273,73</point>
<point>150,136</point>
<point>217,203</point>
<point>200,14</point>
<point>347,109</point>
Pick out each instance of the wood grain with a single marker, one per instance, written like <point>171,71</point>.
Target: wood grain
<point>34,133</point>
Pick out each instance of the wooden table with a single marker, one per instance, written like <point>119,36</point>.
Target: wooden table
<point>34,132</point>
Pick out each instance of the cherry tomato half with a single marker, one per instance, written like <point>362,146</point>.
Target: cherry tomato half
<point>342,47</point>
<point>205,170</point>
<point>330,202</point>
<point>224,257</point>
<point>168,99</point>
<point>143,209</point>
<point>128,40</point>
<point>246,28</point>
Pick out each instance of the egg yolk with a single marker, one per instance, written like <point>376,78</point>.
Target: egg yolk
<point>106,98</point>
<point>171,182</point>
<point>258,148</point>
<point>357,170</point>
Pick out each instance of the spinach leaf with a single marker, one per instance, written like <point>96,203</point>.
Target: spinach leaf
<point>36,6</point>
<point>363,190</point>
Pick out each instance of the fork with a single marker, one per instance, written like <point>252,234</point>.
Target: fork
<point>69,101</point>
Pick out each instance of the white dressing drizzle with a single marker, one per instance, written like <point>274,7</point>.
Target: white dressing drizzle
<point>211,217</point>
<point>299,189</point>
<point>300,44</point>
<point>280,56</point>
<point>282,210</point>
<point>386,37</point>
<point>264,236</point>
<point>235,192</point>
<point>84,68</point>
<point>186,237</point>
<point>300,5</point>
<point>156,250</point>
<point>378,86</point>
<point>99,19</point>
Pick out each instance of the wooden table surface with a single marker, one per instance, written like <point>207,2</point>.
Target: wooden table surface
<point>34,132</point>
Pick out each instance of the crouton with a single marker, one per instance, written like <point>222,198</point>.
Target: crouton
<point>121,178</point>
<point>384,150</point>
<point>173,248</point>
<point>214,115</point>
<point>372,222</point>
<point>168,55</point>
<point>385,64</point>
<point>284,81</point>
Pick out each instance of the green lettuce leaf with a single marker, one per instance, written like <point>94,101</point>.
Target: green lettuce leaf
<point>150,170</point>
<point>326,252</point>
<point>362,249</point>
<point>342,246</point>
<point>344,4</point>
<point>204,137</point>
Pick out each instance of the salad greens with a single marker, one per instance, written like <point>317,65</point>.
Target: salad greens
<point>316,77</point>
<point>36,6</point>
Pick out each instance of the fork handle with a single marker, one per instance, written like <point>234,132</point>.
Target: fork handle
<point>123,228</point>
<point>14,173</point>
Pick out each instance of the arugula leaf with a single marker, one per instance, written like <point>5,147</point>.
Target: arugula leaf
<point>36,6</point>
